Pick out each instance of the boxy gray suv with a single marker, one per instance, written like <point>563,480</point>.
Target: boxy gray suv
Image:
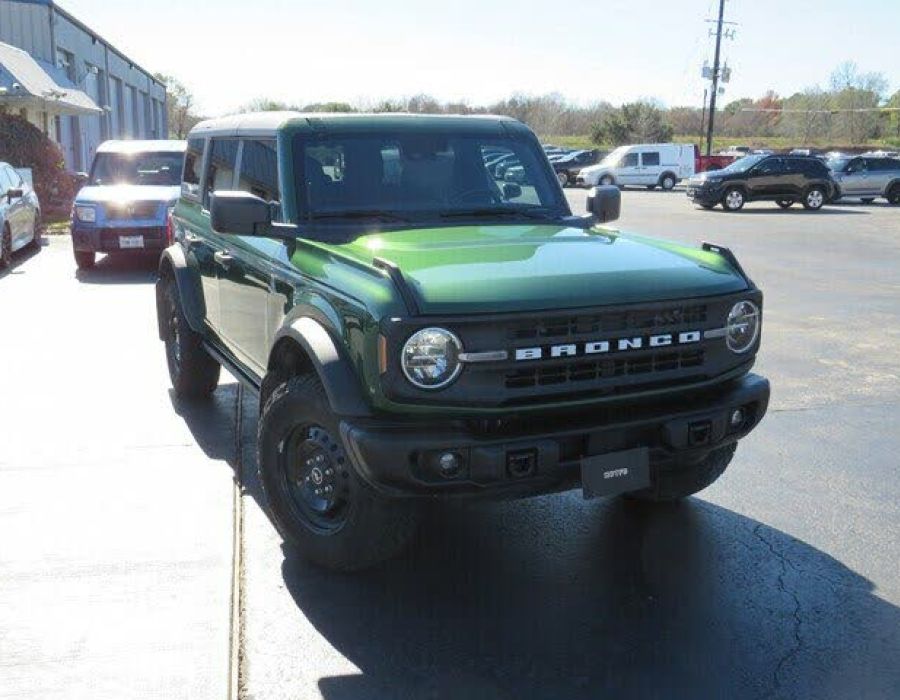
<point>867,178</point>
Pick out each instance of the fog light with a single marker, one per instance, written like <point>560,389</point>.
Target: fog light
<point>449,464</point>
<point>737,418</point>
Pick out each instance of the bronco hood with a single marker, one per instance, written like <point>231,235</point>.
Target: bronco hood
<point>485,269</point>
<point>100,194</point>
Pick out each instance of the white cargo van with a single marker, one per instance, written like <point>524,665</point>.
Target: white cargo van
<point>647,164</point>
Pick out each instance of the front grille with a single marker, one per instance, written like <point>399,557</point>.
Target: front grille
<point>131,210</point>
<point>607,368</point>
<point>556,356</point>
<point>564,327</point>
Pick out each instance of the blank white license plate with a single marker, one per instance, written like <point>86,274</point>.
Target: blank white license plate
<point>131,241</point>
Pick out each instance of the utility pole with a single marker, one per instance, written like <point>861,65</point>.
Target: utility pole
<point>703,113</point>
<point>715,77</point>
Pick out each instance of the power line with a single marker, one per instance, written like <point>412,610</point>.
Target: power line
<point>779,110</point>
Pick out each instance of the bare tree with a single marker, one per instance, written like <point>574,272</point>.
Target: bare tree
<point>179,106</point>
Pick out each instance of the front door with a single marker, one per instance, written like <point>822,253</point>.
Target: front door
<point>628,171</point>
<point>855,180</point>
<point>768,179</point>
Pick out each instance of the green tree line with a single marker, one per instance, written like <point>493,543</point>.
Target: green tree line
<point>854,108</point>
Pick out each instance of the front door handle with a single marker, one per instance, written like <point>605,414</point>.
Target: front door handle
<point>223,258</point>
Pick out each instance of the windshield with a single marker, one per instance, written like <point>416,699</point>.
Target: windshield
<point>614,157</point>
<point>744,164</point>
<point>137,169</point>
<point>403,176</point>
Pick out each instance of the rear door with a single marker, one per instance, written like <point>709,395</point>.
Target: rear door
<point>651,167</point>
<point>247,280</point>
<point>881,172</point>
<point>193,229</point>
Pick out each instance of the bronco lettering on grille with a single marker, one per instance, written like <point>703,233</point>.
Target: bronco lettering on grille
<point>598,347</point>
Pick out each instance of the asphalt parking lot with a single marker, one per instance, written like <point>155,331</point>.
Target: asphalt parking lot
<point>119,517</point>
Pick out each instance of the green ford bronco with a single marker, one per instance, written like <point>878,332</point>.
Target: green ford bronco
<point>417,329</point>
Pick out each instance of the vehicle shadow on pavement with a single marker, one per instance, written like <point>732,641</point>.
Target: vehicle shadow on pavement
<point>555,598</point>
<point>19,258</point>
<point>795,211</point>
<point>113,269</point>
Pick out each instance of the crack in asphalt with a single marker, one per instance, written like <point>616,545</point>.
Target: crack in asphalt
<point>784,563</point>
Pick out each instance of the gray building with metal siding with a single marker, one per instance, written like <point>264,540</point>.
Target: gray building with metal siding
<point>99,92</point>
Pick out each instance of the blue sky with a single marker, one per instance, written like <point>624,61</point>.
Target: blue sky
<point>230,51</point>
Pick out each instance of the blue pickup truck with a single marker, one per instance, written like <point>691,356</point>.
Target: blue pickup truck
<point>126,203</point>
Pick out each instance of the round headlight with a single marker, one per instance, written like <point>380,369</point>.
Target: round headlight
<point>742,329</point>
<point>430,358</point>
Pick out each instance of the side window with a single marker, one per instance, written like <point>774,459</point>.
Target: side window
<point>259,170</point>
<point>220,170</point>
<point>770,167</point>
<point>193,162</point>
<point>5,181</point>
<point>650,158</point>
<point>857,165</point>
<point>629,161</point>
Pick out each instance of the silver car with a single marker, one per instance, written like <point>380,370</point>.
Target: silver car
<point>20,214</point>
<point>867,177</point>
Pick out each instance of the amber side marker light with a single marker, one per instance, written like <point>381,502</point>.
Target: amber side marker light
<point>382,354</point>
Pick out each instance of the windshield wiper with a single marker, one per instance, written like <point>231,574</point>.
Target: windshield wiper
<point>538,213</point>
<point>359,214</point>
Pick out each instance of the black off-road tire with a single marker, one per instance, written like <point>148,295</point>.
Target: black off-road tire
<point>193,372</point>
<point>867,200</point>
<point>785,203</point>
<point>368,529</point>
<point>85,259</point>
<point>607,180</point>
<point>676,481</point>
<point>5,248</point>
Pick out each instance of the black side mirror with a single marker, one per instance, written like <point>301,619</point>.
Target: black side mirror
<point>239,213</point>
<point>605,203</point>
<point>14,193</point>
<point>511,191</point>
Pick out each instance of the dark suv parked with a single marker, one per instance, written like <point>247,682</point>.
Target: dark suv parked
<point>781,179</point>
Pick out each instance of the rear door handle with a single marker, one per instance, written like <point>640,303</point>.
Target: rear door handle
<point>223,258</point>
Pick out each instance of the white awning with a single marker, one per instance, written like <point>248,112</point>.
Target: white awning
<point>25,82</point>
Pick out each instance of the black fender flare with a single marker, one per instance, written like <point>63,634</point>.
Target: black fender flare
<point>342,386</point>
<point>189,290</point>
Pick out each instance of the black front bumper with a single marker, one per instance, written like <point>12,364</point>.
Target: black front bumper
<point>704,194</point>
<point>532,456</point>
